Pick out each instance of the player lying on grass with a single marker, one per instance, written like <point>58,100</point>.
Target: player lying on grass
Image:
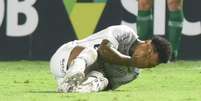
<point>106,60</point>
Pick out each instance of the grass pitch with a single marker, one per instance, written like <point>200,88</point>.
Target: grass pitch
<point>32,81</point>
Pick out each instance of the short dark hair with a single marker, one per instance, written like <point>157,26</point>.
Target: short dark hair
<point>163,47</point>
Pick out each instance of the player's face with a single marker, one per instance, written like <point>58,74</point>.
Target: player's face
<point>144,55</point>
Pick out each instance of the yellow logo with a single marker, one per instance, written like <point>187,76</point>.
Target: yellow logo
<point>84,16</point>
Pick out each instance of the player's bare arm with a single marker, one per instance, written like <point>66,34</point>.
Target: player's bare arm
<point>113,56</point>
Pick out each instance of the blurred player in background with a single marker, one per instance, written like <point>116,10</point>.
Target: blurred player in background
<point>106,59</point>
<point>145,19</point>
<point>175,18</point>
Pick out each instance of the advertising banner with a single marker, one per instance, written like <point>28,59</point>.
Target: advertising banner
<point>34,29</point>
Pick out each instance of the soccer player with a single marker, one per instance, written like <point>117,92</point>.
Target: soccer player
<point>106,59</point>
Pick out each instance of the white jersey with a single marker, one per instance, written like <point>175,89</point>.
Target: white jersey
<point>121,38</point>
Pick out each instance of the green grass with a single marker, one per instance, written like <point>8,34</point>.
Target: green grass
<point>32,81</point>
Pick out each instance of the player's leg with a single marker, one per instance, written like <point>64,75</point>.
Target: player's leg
<point>58,62</point>
<point>145,19</point>
<point>175,18</point>
<point>85,58</point>
<point>95,82</point>
<point>75,73</point>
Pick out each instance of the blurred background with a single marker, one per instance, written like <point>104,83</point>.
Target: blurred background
<point>34,29</point>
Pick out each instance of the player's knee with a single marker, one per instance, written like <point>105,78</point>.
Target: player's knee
<point>174,5</point>
<point>89,55</point>
<point>145,5</point>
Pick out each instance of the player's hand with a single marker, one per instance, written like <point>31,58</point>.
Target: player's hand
<point>105,42</point>
<point>104,50</point>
